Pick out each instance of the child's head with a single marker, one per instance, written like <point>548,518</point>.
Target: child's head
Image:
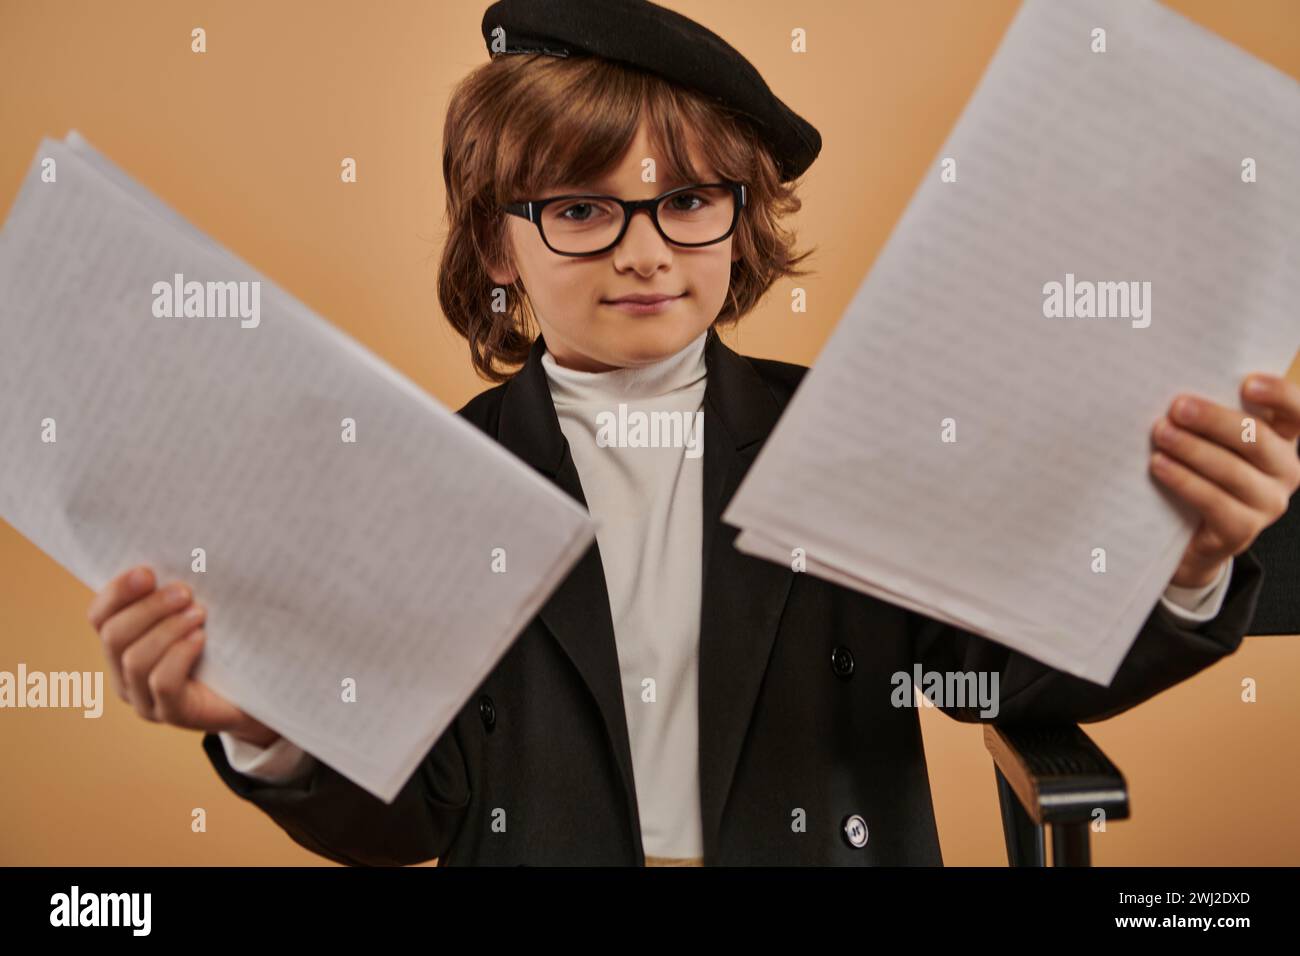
<point>524,128</point>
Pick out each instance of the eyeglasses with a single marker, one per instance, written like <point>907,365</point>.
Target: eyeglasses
<point>589,224</point>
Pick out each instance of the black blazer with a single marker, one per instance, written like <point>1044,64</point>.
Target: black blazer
<point>795,691</point>
<point>1278,549</point>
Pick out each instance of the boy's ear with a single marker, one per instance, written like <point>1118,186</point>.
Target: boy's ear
<point>502,272</point>
<point>501,276</point>
<point>499,271</point>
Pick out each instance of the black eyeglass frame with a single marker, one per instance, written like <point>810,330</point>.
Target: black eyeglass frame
<point>532,211</point>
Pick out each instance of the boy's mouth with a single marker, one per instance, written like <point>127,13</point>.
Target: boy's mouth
<point>644,299</point>
<point>642,303</point>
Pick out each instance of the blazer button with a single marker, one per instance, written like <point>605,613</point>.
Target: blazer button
<point>487,711</point>
<point>842,662</point>
<point>855,831</point>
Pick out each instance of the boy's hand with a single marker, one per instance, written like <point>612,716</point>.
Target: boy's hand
<point>152,639</point>
<point>1240,487</point>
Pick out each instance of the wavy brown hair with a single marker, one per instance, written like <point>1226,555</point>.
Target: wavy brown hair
<point>520,124</point>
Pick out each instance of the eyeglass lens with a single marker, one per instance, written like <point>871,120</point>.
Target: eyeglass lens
<point>589,223</point>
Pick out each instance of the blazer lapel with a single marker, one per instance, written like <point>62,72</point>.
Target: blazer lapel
<point>577,613</point>
<point>742,596</point>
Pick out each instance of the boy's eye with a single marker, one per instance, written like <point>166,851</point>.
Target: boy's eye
<point>688,202</point>
<point>582,211</point>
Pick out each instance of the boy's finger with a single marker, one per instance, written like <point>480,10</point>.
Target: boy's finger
<point>1232,522</point>
<point>1281,396</point>
<point>1218,465</point>
<point>1262,445</point>
<point>169,680</point>
<point>131,622</point>
<point>143,655</point>
<point>131,584</point>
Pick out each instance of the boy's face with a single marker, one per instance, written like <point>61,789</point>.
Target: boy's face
<point>570,295</point>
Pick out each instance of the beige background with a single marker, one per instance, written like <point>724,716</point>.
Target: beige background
<point>246,142</point>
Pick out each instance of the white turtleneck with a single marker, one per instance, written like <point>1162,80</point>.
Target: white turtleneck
<point>647,505</point>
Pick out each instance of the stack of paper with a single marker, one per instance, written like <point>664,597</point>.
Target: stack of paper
<point>367,555</point>
<point>973,442</point>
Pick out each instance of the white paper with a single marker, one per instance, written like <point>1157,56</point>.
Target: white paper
<point>327,561</point>
<point>1111,167</point>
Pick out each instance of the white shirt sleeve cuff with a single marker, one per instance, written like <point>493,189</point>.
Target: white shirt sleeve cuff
<point>279,763</point>
<point>1198,605</point>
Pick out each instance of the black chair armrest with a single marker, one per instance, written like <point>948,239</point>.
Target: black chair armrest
<point>1052,775</point>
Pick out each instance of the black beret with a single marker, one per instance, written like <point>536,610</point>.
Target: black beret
<point>653,38</point>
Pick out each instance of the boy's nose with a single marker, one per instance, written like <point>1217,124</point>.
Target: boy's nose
<point>642,240</point>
